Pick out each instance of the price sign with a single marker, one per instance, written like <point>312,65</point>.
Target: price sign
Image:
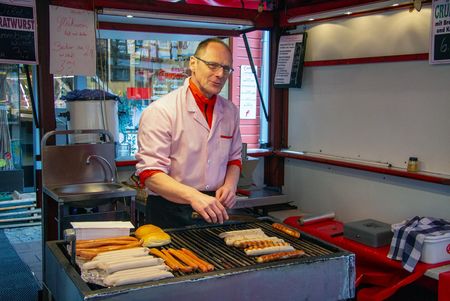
<point>290,60</point>
<point>18,41</point>
<point>440,32</point>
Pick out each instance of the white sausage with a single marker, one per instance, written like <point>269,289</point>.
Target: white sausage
<point>138,278</point>
<point>129,264</point>
<point>241,232</point>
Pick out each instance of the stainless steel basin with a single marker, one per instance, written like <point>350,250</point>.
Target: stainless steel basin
<point>88,192</point>
<point>86,188</point>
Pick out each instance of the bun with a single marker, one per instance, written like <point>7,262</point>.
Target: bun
<point>147,229</point>
<point>156,239</point>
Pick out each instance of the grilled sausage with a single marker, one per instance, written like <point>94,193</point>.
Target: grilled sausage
<point>91,253</point>
<point>278,247</point>
<point>257,243</point>
<point>181,267</point>
<point>279,256</point>
<point>286,230</point>
<point>185,259</point>
<point>208,265</point>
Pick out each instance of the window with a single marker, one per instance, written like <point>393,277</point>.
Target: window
<point>140,70</point>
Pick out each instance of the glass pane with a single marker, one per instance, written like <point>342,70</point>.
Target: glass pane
<point>16,130</point>
<point>139,72</point>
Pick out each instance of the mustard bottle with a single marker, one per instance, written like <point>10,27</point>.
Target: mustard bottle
<point>413,164</point>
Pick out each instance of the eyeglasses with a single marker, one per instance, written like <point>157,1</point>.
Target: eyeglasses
<point>216,66</point>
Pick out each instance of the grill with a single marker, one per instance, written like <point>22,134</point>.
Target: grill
<point>236,275</point>
<point>206,242</point>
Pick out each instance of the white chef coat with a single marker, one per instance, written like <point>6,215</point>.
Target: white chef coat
<point>175,138</point>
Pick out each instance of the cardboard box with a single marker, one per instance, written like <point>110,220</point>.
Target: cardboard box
<point>369,232</point>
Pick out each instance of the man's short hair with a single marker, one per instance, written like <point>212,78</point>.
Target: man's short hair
<point>203,44</point>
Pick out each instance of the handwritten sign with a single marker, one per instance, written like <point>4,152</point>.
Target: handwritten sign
<point>247,104</point>
<point>440,32</point>
<point>18,40</point>
<point>72,41</point>
<point>291,54</point>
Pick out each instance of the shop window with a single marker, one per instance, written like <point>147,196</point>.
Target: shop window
<point>140,71</point>
<point>16,131</point>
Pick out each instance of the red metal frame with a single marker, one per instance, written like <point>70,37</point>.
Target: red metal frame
<point>421,176</point>
<point>370,60</point>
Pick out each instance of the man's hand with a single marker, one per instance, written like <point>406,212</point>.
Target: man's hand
<point>226,196</point>
<point>210,209</point>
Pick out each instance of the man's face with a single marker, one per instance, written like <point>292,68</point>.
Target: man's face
<point>208,80</point>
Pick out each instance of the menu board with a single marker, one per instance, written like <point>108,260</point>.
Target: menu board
<point>290,60</point>
<point>72,41</point>
<point>440,32</point>
<point>18,32</point>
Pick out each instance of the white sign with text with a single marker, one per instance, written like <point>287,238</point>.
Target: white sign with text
<point>72,41</point>
<point>247,105</point>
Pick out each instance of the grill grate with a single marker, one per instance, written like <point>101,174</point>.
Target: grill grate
<point>207,244</point>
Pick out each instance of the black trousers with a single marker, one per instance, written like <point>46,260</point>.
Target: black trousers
<point>166,214</point>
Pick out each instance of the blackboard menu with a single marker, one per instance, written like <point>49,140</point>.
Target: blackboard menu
<point>18,41</point>
<point>290,60</point>
<point>440,32</point>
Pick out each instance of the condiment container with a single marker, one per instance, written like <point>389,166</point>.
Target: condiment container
<point>413,164</point>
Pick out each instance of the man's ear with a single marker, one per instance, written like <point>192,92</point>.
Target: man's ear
<point>192,64</point>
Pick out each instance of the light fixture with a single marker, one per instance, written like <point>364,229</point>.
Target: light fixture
<point>348,10</point>
<point>172,20</point>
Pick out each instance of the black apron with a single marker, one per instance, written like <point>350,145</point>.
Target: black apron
<point>166,214</point>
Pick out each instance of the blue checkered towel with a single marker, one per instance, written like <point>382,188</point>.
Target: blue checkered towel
<point>407,243</point>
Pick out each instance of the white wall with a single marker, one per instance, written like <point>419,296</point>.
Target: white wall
<point>379,112</point>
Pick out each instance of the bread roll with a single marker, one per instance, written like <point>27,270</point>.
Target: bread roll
<point>156,239</point>
<point>147,229</point>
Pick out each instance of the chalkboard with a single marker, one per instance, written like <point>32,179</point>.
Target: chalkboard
<point>290,60</point>
<point>442,47</point>
<point>17,34</point>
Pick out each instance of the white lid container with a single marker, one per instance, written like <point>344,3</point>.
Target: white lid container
<point>435,249</point>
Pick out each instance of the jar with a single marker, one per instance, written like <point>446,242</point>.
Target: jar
<point>413,164</point>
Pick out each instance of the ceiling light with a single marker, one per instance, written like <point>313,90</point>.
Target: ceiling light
<point>345,10</point>
<point>129,16</point>
<point>173,20</point>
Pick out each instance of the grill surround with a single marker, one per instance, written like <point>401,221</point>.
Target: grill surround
<point>251,277</point>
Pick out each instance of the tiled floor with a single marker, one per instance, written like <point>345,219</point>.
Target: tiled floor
<point>27,241</point>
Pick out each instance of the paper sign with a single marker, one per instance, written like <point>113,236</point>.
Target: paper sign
<point>72,41</point>
<point>440,32</point>
<point>247,104</point>
<point>18,32</point>
<point>290,61</point>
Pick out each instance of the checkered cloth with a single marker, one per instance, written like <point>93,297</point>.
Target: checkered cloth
<point>407,243</point>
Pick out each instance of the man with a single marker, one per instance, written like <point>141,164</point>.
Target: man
<point>189,144</point>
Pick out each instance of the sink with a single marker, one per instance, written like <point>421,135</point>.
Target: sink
<point>86,188</point>
<point>88,191</point>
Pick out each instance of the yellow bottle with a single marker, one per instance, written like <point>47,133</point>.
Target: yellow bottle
<point>413,164</point>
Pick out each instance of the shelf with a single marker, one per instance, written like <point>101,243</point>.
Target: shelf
<point>393,171</point>
<point>255,153</point>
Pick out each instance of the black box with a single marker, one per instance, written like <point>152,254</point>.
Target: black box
<point>11,180</point>
<point>369,232</point>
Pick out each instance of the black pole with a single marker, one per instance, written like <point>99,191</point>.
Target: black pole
<point>252,65</point>
<point>30,91</point>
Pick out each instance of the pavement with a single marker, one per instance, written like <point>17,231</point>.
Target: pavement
<point>27,241</point>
